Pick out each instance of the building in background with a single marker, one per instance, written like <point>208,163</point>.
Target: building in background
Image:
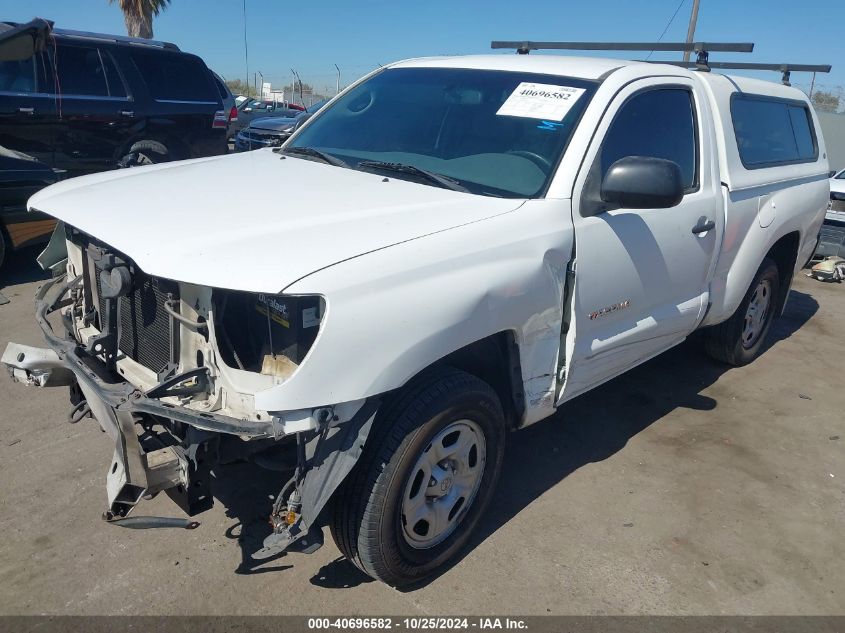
<point>833,128</point>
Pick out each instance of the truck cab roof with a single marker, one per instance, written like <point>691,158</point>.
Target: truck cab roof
<point>597,69</point>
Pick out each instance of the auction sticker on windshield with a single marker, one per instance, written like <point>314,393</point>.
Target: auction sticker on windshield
<point>540,101</point>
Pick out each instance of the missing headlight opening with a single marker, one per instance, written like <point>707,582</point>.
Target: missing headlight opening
<point>265,333</point>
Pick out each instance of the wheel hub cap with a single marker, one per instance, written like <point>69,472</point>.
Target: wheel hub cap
<point>756,314</point>
<point>453,467</point>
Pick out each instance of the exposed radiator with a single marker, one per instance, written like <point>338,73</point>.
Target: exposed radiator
<point>144,323</point>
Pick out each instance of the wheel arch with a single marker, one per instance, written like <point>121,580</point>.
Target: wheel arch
<point>784,252</point>
<point>176,149</point>
<point>729,287</point>
<point>495,360</point>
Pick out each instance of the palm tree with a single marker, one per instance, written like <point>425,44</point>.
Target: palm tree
<point>138,15</point>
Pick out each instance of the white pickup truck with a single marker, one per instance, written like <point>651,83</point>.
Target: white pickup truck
<point>449,250</point>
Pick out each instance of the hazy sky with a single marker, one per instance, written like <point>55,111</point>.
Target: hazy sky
<point>312,36</point>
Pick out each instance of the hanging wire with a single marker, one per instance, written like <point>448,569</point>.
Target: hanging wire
<point>668,24</point>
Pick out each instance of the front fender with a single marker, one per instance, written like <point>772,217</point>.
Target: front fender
<point>393,312</point>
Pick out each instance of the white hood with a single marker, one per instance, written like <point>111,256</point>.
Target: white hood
<point>254,221</point>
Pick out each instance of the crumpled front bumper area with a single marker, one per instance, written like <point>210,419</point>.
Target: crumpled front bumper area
<point>137,469</point>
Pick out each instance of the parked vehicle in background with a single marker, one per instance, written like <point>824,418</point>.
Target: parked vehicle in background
<point>252,109</point>
<point>90,102</point>
<point>273,131</point>
<point>20,177</point>
<point>832,235</point>
<point>837,188</point>
<point>450,250</point>
<point>228,104</point>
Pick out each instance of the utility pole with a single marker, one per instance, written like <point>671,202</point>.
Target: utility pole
<point>255,83</point>
<point>293,86</point>
<point>812,85</point>
<point>691,30</point>
<point>337,88</point>
<point>246,51</point>
<point>262,83</point>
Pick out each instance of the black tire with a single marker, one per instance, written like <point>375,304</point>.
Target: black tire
<point>367,523</point>
<point>145,153</point>
<point>726,341</point>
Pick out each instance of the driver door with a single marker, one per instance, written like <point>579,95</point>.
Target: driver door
<point>642,275</point>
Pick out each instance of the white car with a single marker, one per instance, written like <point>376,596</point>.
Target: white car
<point>837,197</point>
<point>832,235</point>
<point>449,250</point>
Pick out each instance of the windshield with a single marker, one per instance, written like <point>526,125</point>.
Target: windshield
<point>840,175</point>
<point>487,130</point>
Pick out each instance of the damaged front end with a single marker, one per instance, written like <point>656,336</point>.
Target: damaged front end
<point>171,371</point>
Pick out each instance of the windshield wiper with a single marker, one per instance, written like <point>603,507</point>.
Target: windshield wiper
<point>438,179</point>
<point>313,153</point>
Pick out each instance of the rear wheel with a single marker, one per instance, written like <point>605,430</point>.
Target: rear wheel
<point>738,340</point>
<point>426,476</point>
<point>145,153</point>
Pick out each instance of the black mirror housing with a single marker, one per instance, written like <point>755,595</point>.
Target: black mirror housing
<point>642,182</point>
<point>831,173</point>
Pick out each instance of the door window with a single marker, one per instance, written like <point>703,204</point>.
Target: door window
<point>80,71</point>
<point>114,83</point>
<point>175,76</point>
<point>26,76</point>
<point>18,76</point>
<point>657,124</point>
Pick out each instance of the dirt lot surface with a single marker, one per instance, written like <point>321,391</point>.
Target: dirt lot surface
<point>682,487</point>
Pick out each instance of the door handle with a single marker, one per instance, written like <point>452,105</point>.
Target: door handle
<point>707,225</point>
<point>127,113</point>
<point>26,110</point>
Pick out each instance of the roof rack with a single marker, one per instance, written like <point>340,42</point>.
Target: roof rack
<point>702,49</point>
<point>123,39</point>
<point>786,69</point>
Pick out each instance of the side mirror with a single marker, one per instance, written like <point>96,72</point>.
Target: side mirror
<point>640,182</point>
<point>831,173</point>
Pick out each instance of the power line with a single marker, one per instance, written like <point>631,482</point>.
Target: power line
<point>668,24</point>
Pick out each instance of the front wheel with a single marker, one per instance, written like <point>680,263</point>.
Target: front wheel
<point>425,478</point>
<point>739,340</point>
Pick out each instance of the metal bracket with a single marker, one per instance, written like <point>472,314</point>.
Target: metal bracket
<point>198,381</point>
<point>291,539</point>
<point>145,523</point>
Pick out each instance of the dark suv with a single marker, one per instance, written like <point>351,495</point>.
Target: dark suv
<point>73,103</point>
<point>89,102</point>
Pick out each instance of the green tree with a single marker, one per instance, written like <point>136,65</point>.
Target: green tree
<point>826,101</point>
<point>138,15</point>
<point>240,87</point>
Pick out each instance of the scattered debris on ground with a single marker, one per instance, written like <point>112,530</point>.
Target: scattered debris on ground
<point>829,269</point>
